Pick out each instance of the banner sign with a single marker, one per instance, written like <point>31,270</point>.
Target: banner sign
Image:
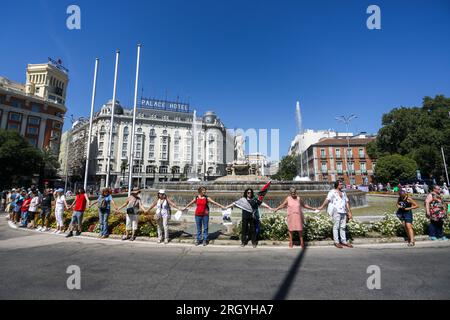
<point>164,105</point>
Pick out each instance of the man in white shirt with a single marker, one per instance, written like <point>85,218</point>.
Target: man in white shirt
<point>339,210</point>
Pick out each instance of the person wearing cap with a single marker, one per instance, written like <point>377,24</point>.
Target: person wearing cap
<point>104,209</point>
<point>46,210</point>
<point>163,214</point>
<point>405,205</point>
<point>134,205</point>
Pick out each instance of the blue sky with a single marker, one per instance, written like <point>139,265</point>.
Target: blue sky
<point>247,60</point>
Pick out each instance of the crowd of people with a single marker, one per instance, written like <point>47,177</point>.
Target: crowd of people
<point>28,206</point>
<point>411,188</point>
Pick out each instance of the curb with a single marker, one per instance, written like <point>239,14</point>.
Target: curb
<point>236,243</point>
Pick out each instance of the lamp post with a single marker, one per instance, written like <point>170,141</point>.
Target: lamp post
<point>346,120</point>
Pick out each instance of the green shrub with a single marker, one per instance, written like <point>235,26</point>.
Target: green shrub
<point>147,230</point>
<point>318,227</point>
<point>356,229</point>
<point>274,227</point>
<point>119,229</point>
<point>420,223</point>
<point>389,226</point>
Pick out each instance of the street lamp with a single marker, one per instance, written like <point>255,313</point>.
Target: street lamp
<point>346,120</point>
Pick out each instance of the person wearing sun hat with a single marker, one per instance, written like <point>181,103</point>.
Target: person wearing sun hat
<point>163,213</point>
<point>134,206</point>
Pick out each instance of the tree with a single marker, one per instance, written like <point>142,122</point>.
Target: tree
<point>418,133</point>
<point>288,168</point>
<point>18,159</point>
<point>395,168</point>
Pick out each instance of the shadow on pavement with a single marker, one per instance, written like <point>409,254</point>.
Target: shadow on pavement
<point>285,286</point>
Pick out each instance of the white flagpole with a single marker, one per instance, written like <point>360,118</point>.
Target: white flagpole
<point>108,169</point>
<point>445,166</point>
<point>131,154</point>
<point>91,119</point>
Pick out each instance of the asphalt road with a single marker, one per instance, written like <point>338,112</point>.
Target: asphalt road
<point>33,266</point>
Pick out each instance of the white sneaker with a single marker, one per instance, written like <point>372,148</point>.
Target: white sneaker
<point>39,229</point>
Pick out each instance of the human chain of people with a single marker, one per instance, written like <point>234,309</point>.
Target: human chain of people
<point>34,210</point>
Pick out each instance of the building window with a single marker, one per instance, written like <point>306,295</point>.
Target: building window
<point>56,125</point>
<point>176,170</point>
<point>322,153</point>
<point>16,104</point>
<point>363,167</point>
<point>338,153</point>
<point>163,169</point>
<point>339,167</point>
<point>351,167</point>
<point>17,117</point>
<point>324,167</point>
<point>349,153</point>
<point>32,131</point>
<point>101,145</point>
<point>35,108</point>
<point>150,169</point>
<point>33,121</point>
<point>361,153</point>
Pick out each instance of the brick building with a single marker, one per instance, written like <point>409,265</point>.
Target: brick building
<point>331,159</point>
<point>36,109</point>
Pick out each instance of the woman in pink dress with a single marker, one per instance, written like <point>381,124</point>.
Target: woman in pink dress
<point>294,215</point>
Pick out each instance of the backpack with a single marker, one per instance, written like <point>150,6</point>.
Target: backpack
<point>103,205</point>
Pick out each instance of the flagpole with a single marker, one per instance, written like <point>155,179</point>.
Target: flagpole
<point>131,155</point>
<point>88,151</point>
<point>445,166</point>
<point>108,169</point>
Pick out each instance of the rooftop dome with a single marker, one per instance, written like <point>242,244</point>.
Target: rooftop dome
<point>118,109</point>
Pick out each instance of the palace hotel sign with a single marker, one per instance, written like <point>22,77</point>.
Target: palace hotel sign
<point>164,105</point>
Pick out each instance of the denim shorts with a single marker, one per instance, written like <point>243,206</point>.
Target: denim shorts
<point>77,216</point>
<point>406,216</point>
<point>45,212</point>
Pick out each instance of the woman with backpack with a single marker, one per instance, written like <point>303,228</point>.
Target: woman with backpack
<point>104,209</point>
<point>163,214</point>
<point>202,202</point>
<point>134,205</point>
<point>405,205</point>
<point>437,212</point>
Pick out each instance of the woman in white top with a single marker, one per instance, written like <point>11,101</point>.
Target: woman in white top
<point>32,210</point>
<point>162,215</point>
<point>134,206</point>
<point>60,205</point>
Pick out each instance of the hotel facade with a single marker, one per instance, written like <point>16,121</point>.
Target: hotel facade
<point>163,150</point>
<point>36,109</point>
